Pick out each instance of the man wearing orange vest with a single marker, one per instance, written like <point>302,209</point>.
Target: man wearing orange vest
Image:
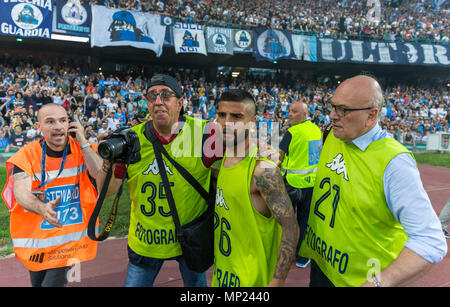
<point>50,197</point>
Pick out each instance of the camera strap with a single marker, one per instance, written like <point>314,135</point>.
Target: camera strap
<point>98,206</point>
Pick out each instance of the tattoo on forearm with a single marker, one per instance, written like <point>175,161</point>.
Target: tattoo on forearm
<point>271,186</point>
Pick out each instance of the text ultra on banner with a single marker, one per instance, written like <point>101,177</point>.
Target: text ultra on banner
<point>352,51</point>
<point>26,18</point>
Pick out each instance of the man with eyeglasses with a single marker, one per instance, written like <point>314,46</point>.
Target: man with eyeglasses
<point>152,238</point>
<point>371,222</point>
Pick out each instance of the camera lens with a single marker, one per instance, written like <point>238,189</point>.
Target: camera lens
<point>112,148</point>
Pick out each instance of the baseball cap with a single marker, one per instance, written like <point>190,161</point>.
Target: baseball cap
<point>160,79</point>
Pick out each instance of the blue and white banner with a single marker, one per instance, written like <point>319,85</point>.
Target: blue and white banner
<point>72,18</point>
<point>305,47</point>
<point>189,38</point>
<point>167,20</point>
<point>219,40</point>
<point>115,27</point>
<point>26,18</point>
<point>243,41</point>
<point>350,51</point>
<point>271,44</point>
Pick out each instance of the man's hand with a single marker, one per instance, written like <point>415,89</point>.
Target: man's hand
<point>267,151</point>
<point>75,126</point>
<point>49,213</point>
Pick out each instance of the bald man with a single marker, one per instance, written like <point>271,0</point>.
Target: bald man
<point>371,222</point>
<point>299,156</point>
<point>51,197</point>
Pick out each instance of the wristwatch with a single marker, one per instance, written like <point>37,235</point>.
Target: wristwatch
<point>87,144</point>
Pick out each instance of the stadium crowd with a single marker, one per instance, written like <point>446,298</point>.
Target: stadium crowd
<point>104,103</point>
<point>407,20</point>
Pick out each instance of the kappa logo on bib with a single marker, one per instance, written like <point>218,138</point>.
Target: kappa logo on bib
<point>155,169</point>
<point>338,166</point>
<point>220,201</point>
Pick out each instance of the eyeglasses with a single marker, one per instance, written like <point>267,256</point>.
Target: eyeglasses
<point>165,95</point>
<point>343,111</point>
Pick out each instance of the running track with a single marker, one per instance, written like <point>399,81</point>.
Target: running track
<point>108,269</point>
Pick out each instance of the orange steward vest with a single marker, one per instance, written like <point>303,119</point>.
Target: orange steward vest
<point>36,243</point>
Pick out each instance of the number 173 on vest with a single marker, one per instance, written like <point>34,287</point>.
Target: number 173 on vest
<point>68,209</point>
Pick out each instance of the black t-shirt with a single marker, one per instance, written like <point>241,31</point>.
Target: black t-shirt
<point>91,104</point>
<point>51,153</point>
<point>46,100</point>
<point>54,154</point>
<point>17,140</point>
<point>101,109</point>
<point>285,141</point>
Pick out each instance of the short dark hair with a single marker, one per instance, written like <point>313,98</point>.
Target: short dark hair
<point>239,95</point>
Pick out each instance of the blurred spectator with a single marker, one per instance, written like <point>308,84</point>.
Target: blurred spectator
<point>4,140</point>
<point>411,111</point>
<point>17,139</point>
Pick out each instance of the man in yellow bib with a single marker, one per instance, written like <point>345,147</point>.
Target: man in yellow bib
<point>299,156</point>
<point>152,238</point>
<point>256,231</point>
<point>371,222</point>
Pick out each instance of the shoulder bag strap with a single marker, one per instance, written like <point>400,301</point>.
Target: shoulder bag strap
<point>150,134</point>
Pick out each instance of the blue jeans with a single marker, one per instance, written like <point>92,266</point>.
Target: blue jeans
<point>142,271</point>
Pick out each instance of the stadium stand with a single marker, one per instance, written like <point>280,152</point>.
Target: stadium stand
<point>106,99</point>
<point>408,20</point>
<point>103,103</point>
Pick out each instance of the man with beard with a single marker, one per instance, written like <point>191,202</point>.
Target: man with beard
<point>255,241</point>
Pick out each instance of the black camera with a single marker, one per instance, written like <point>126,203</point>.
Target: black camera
<point>122,146</point>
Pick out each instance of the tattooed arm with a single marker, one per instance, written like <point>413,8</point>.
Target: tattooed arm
<point>28,201</point>
<point>269,184</point>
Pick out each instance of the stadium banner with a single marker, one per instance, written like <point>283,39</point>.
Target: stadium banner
<point>168,21</point>
<point>168,37</point>
<point>271,44</point>
<point>26,18</point>
<point>219,40</point>
<point>351,51</point>
<point>72,18</point>
<point>116,27</point>
<point>305,47</point>
<point>189,38</point>
<point>243,41</point>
